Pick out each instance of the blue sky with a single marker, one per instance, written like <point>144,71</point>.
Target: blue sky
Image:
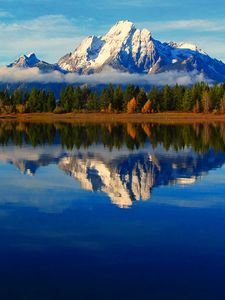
<point>53,28</point>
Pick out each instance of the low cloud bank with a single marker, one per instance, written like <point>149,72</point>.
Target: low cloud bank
<point>34,75</point>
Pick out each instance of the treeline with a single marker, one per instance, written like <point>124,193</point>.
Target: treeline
<point>198,98</point>
<point>199,137</point>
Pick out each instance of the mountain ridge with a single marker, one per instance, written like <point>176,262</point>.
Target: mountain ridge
<point>130,50</point>
<point>30,60</point>
<point>128,178</point>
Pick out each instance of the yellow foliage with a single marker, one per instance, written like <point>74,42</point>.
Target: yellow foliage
<point>109,127</point>
<point>20,108</point>
<point>131,130</point>
<point>147,107</point>
<point>222,105</point>
<point>196,108</point>
<point>58,110</point>
<point>147,129</point>
<point>21,127</point>
<point>110,107</point>
<point>131,106</point>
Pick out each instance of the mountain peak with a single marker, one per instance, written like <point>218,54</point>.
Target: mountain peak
<point>30,60</point>
<point>124,23</point>
<point>128,49</point>
<point>25,61</point>
<point>121,28</point>
<point>188,46</point>
<point>192,47</point>
<point>31,55</point>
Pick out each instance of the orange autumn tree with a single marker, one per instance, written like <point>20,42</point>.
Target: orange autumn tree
<point>147,129</point>
<point>147,107</point>
<point>131,106</point>
<point>131,130</point>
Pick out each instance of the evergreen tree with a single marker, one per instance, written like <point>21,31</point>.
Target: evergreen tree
<point>118,99</point>
<point>196,108</point>
<point>17,96</point>
<point>154,98</point>
<point>92,103</point>
<point>32,104</point>
<point>128,95</point>
<point>206,102</point>
<point>66,100</point>
<point>177,95</point>
<point>77,99</point>
<point>166,102</point>
<point>85,94</point>
<point>107,97</point>
<point>222,104</point>
<point>199,97</point>
<point>136,91</point>
<point>187,101</point>
<point>141,100</point>
<point>215,95</point>
<point>50,103</point>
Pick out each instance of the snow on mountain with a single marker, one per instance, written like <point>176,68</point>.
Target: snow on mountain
<point>126,48</point>
<point>125,177</point>
<point>187,46</point>
<point>31,61</point>
<point>123,47</point>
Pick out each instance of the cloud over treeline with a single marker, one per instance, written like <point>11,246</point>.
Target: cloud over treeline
<point>34,75</point>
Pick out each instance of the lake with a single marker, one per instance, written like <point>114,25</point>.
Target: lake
<point>112,211</point>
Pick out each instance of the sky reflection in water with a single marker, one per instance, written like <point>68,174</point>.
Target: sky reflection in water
<point>132,215</point>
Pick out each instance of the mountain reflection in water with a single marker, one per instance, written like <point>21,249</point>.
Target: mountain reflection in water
<point>124,161</point>
<point>61,237</point>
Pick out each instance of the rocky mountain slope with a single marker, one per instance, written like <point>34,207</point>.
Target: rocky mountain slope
<point>125,179</point>
<point>31,61</point>
<point>128,49</point>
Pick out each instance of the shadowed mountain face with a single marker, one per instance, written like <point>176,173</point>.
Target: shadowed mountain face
<point>98,205</point>
<point>127,49</point>
<point>65,232</point>
<point>125,161</point>
<point>131,178</point>
<point>31,61</point>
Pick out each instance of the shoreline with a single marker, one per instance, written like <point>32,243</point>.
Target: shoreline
<point>163,118</point>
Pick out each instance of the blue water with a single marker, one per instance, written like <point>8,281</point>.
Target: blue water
<point>99,223</point>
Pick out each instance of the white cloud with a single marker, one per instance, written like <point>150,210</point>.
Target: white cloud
<point>8,75</point>
<point>139,3</point>
<point>50,36</point>
<point>200,25</point>
<point>5,14</point>
<point>48,49</point>
<point>54,24</point>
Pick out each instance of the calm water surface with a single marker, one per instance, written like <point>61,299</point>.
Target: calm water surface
<point>112,212</point>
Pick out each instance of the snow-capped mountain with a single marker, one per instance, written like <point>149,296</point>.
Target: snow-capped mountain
<point>124,178</point>
<point>31,61</point>
<point>126,48</point>
<point>127,179</point>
